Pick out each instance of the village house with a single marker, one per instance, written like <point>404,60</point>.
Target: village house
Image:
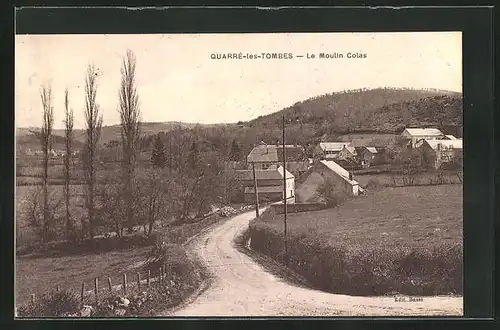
<point>318,174</point>
<point>267,156</point>
<point>348,152</point>
<point>331,150</point>
<point>416,135</point>
<point>269,185</point>
<point>439,152</point>
<point>370,156</point>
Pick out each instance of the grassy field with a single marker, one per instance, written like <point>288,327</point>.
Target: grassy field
<point>40,275</point>
<point>398,239</point>
<point>414,216</point>
<point>387,178</point>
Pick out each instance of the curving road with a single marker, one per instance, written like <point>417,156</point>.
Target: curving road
<point>241,287</point>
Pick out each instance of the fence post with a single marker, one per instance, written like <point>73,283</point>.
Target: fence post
<point>110,287</point>
<point>165,271</point>
<point>96,290</point>
<point>82,292</point>
<point>32,298</point>
<point>124,283</point>
<point>138,280</point>
<point>149,277</point>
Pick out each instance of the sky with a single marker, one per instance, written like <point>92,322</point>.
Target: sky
<point>177,80</point>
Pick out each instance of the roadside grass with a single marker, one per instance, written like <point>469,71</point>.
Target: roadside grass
<point>406,240</point>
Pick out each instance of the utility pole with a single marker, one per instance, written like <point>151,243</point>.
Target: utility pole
<point>284,191</point>
<point>255,189</point>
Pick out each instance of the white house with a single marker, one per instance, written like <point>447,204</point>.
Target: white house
<point>269,184</point>
<point>331,150</point>
<point>416,135</point>
<point>319,173</point>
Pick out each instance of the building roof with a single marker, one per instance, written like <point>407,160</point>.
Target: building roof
<point>273,174</point>
<point>330,164</point>
<point>373,150</point>
<point>351,149</point>
<point>263,153</point>
<point>455,144</point>
<point>450,137</point>
<point>274,153</point>
<point>333,146</point>
<point>423,131</point>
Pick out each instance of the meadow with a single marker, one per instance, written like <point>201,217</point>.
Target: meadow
<point>398,239</point>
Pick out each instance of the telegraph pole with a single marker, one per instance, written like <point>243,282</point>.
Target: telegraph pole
<point>256,193</point>
<point>284,192</point>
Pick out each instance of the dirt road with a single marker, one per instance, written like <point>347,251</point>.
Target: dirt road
<point>241,287</point>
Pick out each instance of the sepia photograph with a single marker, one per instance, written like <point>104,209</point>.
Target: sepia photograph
<point>239,175</point>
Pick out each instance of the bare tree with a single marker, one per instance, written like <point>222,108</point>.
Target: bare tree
<point>153,197</point>
<point>46,145</point>
<point>130,127</point>
<point>41,211</point>
<point>93,122</point>
<point>110,206</point>
<point>68,133</point>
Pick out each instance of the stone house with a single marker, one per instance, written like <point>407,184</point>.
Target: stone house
<point>319,173</point>
<point>438,152</point>
<point>269,184</point>
<point>331,150</point>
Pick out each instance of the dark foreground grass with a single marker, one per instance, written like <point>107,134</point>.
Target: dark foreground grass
<point>397,240</point>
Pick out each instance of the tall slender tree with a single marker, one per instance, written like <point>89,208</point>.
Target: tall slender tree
<point>46,145</point>
<point>68,141</point>
<point>130,127</point>
<point>93,122</point>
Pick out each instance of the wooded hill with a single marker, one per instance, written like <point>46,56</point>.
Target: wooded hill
<point>325,117</point>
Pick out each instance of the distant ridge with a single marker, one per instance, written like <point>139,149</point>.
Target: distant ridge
<point>328,116</point>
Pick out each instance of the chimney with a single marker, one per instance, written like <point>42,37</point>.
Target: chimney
<point>350,176</point>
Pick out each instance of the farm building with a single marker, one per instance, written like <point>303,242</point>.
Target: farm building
<point>370,156</point>
<point>331,150</point>
<point>266,156</point>
<point>414,135</point>
<point>318,174</point>
<point>269,184</point>
<point>348,152</point>
<point>439,152</point>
